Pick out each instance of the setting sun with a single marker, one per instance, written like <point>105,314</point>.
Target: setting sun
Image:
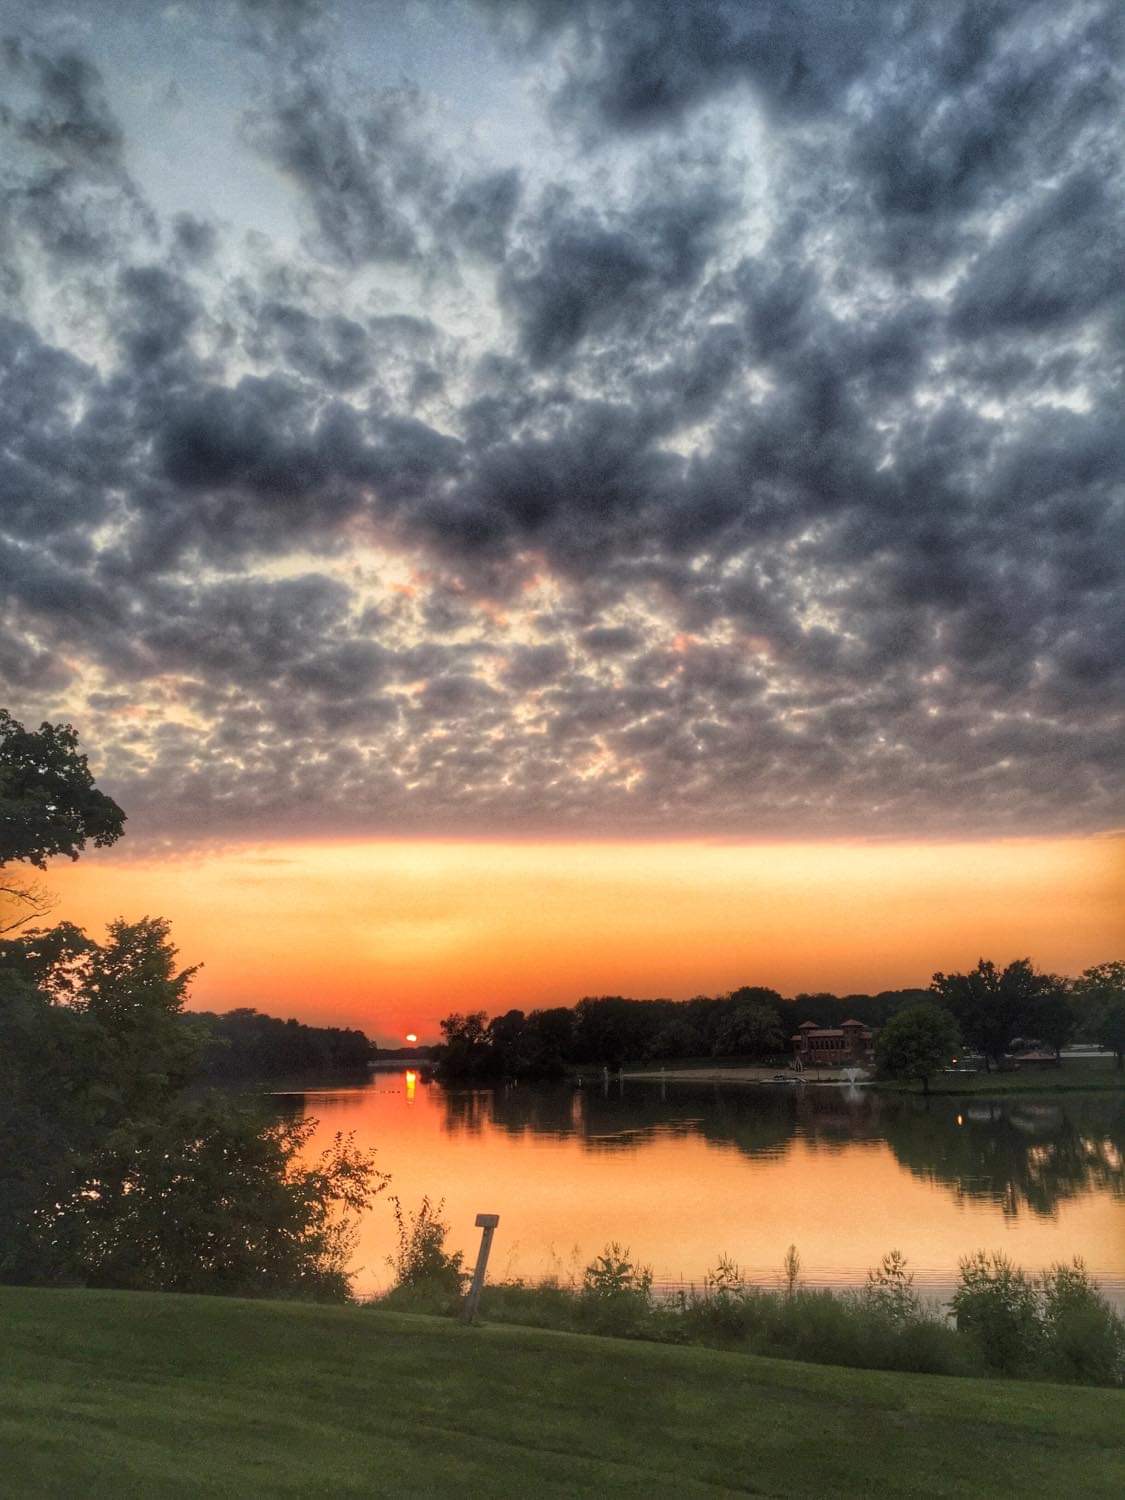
<point>371,933</point>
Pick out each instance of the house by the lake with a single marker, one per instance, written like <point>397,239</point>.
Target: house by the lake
<point>849,1045</point>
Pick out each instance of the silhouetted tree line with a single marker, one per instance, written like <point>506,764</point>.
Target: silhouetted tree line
<point>994,1009</point>
<point>244,1043</point>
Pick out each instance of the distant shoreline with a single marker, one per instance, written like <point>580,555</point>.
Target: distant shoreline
<point>1101,1076</point>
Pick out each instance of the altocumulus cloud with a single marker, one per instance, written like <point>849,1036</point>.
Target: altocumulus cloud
<point>593,418</point>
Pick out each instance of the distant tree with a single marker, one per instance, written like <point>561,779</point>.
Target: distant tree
<point>749,1031</point>
<point>506,1039</point>
<point>755,994</point>
<point>1109,1028</point>
<point>1101,991</point>
<point>917,1042</point>
<point>992,1005</point>
<point>548,1042</point>
<point>676,1038</point>
<point>243,1043</point>
<point>465,1051</point>
<point>609,1029</point>
<point>1052,1017</point>
<point>49,804</point>
<point>823,1008</point>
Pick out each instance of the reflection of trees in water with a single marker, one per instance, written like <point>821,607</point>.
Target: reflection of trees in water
<point>764,1122</point>
<point>1020,1155</point>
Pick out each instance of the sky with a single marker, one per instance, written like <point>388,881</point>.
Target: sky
<point>523,462</point>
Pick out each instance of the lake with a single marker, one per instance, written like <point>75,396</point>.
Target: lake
<point>683,1172</point>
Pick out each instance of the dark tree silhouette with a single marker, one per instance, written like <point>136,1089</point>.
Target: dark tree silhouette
<point>993,1005</point>
<point>49,804</point>
<point>916,1043</point>
<point>1101,989</point>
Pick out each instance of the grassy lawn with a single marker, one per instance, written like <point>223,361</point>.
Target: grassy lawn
<point>1073,1075</point>
<point>130,1395</point>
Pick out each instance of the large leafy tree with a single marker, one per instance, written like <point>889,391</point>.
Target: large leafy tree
<point>49,804</point>
<point>916,1042</point>
<point>1101,991</point>
<point>113,1170</point>
<point>1052,1017</point>
<point>751,1030</point>
<point>993,1005</point>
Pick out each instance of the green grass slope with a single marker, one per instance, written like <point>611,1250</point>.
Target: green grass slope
<point>130,1395</point>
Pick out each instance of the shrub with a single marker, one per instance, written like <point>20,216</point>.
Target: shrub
<point>997,1307</point>
<point>544,1304</point>
<point>616,1295</point>
<point>725,1281</point>
<point>428,1278</point>
<point>890,1289</point>
<point>1083,1337</point>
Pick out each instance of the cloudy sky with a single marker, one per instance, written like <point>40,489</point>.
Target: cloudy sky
<point>568,419</point>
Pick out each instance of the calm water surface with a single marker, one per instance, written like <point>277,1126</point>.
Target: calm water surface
<point>682,1172</point>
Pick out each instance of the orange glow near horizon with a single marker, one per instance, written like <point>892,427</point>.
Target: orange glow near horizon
<point>392,935</point>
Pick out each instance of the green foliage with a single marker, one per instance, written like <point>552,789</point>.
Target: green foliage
<point>1059,1327</point>
<point>917,1042</point>
<point>510,1046</point>
<point>612,1274</point>
<point>823,1327</point>
<point>995,1304</point>
<point>1102,989</point>
<point>428,1277</point>
<point>245,1044</point>
<point>104,1395</point>
<point>113,1172</point>
<point>890,1289</point>
<point>213,1198</point>
<point>1052,1018</point>
<point>674,1039</point>
<point>616,1293</point>
<point>1083,1337</point>
<point>749,1031</point>
<point>49,804</point>
<point>724,1280</point>
<point>993,1005</point>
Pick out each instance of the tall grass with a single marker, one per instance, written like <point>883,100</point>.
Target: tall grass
<point>1058,1327</point>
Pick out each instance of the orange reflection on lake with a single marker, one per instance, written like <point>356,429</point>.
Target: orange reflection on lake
<point>682,1173</point>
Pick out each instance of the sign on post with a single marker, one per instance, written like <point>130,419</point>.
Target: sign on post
<point>487,1223</point>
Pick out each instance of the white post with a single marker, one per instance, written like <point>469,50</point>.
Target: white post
<point>487,1223</point>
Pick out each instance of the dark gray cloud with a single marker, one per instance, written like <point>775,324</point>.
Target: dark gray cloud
<point>741,453</point>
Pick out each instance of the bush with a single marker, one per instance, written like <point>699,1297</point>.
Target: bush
<point>616,1295</point>
<point>1083,1337</point>
<point>1059,1326</point>
<point>428,1278</point>
<point>997,1307</point>
<point>890,1289</point>
<point>545,1304</point>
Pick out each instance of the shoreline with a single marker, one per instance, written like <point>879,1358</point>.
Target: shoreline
<point>1105,1080</point>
